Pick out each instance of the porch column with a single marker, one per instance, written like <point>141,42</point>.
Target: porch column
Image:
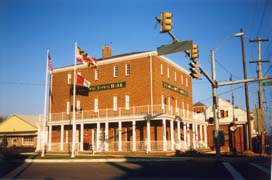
<point>98,137</point>
<point>81,136</point>
<point>106,136</point>
<point>194,136</point>
<point>164,143</point>
<point>197,138</point>
<point>172,134</point>
<point>61,136</point>
<point>188,136</point>
<point>133,135</point>
<point>148,147</point>
<point>201,135</point>
<point>205,136</point>
<point>119,136</point>
<point>178,135</point>
<point>185,135</point>
<point>50,138</point>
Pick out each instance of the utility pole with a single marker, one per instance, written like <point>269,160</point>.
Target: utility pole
<point>260,93</point>
<point>215,107</point>
<point>248,139</point>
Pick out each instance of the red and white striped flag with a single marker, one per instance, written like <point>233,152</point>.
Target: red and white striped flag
<point>82,81</point>
<point>83,57</point>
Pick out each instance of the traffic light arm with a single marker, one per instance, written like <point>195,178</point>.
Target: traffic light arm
<point>169,32</point>
<point>214,83</point>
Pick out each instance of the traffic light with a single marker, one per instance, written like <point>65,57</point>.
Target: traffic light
<point>194,70</point>
<point>166,21</point>
<point>194,52</point>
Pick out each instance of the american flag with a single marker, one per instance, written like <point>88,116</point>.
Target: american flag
<point>50,65</point>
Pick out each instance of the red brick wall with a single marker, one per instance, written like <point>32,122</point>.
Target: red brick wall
<point>137,85</point>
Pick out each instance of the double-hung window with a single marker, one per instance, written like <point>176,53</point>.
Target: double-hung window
<point>127,69</point>
<point>115,71</point>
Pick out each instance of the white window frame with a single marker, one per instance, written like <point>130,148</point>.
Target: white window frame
<point>181,79</point>
<point>127,106</point>
<point>127,69</point>
<point>115,103</point>
<point>96,74</point>
<point>168,72</point>
<point>161,69</point>
<point>68,107</point>
<point>69,78</point>
<point>95,104</point>
<point>78,105</point>
<point>115,71</point>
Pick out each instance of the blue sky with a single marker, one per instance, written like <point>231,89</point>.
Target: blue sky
<point>30,27</point>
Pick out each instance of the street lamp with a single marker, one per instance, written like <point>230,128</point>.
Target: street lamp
<point>214,91</point>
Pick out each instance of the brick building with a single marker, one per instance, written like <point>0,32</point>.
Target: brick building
<point>136,102</point>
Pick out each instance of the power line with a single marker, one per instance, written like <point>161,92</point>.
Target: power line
<point>20,83</point>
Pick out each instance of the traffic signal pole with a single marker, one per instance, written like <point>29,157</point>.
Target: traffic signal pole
<point>215,107</point>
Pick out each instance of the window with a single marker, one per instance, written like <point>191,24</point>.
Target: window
<point>68,107</point>
<point>169,103</point>
<point>161,69</point>
<point>162,102</point>
<point>69,77</point>
<point>127,69</point>
<point>181,79</point>
<point>78,106</point>
<point>175,76</point>
<point>115,103</point>
<point>176,106</point>
<point>96,74</point>
<point>127,102</point>
<point>28,140</point>
<point>187,110</point>
<point>95,105</point>
<point>186,81</point>
<point>168,73</point>
<point>183,108</point>
<point>115,71</point>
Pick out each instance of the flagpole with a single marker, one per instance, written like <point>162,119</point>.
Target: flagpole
<point>44,107</point>
<point>74,109</point>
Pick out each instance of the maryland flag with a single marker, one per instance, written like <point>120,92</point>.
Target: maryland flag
<point>83,57</point>
<point>82,81</point>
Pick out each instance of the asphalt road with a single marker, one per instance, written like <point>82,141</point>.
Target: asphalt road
<point>196,168</point>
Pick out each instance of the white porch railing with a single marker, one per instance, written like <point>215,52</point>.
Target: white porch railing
<point>121,112</point>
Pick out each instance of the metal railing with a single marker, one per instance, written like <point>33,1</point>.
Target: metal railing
<point>121,112</point>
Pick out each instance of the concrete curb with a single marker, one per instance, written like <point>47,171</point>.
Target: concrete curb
<point>106,160</point>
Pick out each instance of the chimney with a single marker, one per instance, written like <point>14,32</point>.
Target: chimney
<point>106,51</point>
